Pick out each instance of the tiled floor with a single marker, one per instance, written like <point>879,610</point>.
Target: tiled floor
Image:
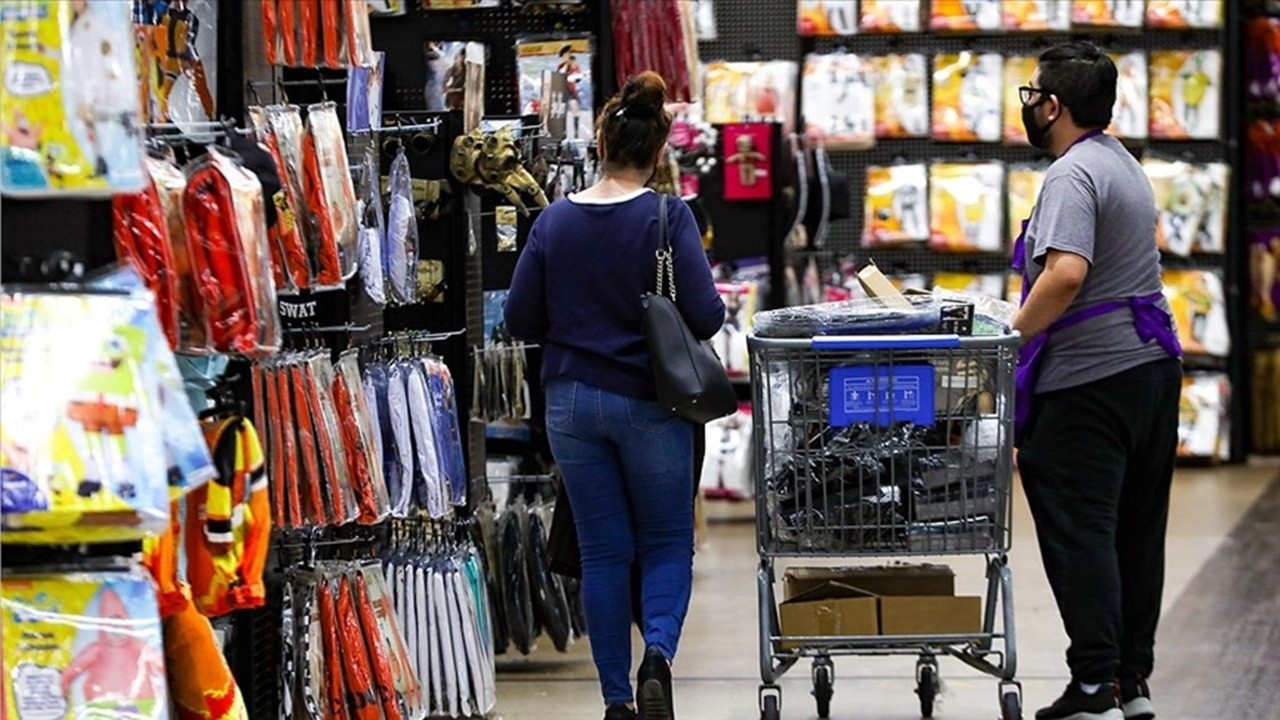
<point>718,672</point>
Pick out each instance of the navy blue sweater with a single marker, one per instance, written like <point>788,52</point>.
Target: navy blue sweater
<point>578,283</point>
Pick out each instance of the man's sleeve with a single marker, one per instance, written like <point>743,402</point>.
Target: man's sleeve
<point>1066,217</point>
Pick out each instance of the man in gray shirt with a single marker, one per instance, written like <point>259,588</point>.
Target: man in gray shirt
<point>1099,381</point>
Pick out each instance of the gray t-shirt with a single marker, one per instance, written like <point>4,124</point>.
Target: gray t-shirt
<point>1097,203</point>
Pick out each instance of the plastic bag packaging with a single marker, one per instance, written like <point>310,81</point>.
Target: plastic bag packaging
<point>336,482</point>
<point>91,640</point>
<point>362,696</point>
<point>400,484</point>
<point>141,237</point>
<point>335,692</point>
<point>330,195</point>
<point>359,437</point>
<point>428,468</point>
<point>456,469</point>
<point>308,33</point>
<point>179,46</point>
<point>390,698</point>
<point>852,317</point>
<point>359,34</point>
<point>81,439</point>
<point>966,207</point>
<point>401,252</point>
<point>295,514</point>
<point>287,229</point>
<point>373,230</point>
<point>373,585</point>
<point>992,315</point>
<point>69,100</point>
<point>227,242</point>
<point>170,184</point>
<point>285,122</point>
<point>309,479</point>
<point>287,12</point>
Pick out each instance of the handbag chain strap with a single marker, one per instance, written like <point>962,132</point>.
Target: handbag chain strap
<point>664,255</point>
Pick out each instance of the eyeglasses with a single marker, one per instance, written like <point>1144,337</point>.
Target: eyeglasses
<point>1026,93</point>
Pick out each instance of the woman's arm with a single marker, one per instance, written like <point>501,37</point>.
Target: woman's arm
<point>696,295</point>
<point>526,311</point>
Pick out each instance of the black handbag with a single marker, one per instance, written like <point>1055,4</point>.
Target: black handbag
<point>689,378</point>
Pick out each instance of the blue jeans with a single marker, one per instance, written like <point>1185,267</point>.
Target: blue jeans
<point>628,469</point>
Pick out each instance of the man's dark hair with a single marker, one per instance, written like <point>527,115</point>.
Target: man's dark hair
<point>1084,79</point>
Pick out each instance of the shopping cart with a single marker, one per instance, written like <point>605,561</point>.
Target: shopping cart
<point>883,446</point>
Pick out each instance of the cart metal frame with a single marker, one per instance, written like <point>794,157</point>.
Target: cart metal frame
<point>804,468</point>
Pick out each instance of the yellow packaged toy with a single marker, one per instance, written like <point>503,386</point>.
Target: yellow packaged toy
<point>967,97</point>
<point>1129,115</point>
<point>826,18</point>
<point>991,285</point>
<point>1199,308</point>
<point>1204,417</point>
<point>1024,187</point>
<point>902,95</point>
<point>82,646</point>
<point>891,16</point>
<point>897,208</point>
<point>965,207</point>
<point>742,91</point>
<point>1018,70</point>
<point>838,104</point>
<point>83,455</point>
<point>964,16</point>
<point>1185,91</point>
<point>1107,13</point>
<point>69,102</point>
<point>1184,14</point>
<point>1037,15</point>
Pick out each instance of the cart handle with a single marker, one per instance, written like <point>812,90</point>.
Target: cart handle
<point>886,342</point>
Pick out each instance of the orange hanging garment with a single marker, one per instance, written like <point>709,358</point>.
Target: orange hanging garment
<point>271,31</point>
<point>141,234</point>
<point>362,697</point>
<point>334,657</point>
<point>327,263</point>
<point>330,20</point>
<point>289,463</point>
<point>310,33</point>
<point>378,652</point>
<point>309,476</point>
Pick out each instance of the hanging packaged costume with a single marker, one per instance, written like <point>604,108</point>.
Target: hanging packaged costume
<point>1191,202</point>
<point>1184,14</point>
<point>1107,13</point>
<point>902,95</point>
<point>1185,94</point>
<point>742,91</point>
<point>838,100</point>
<point>287,239</point>
<point>1264,279</point>
<point>82,645</point>
<point>992,285</point>
<point>330,196</point>
<point>890,16</point>
<point>140,232</point>
<point>179,46</point>
<point>68,99</point>
<point>897,205</point>
<point>826,18</point>
<point>956,16</point>
<point>967,97</point>
<point>1037,15</point>
<point>1025,183</point>
<point>1204,417</point>
<point>1199,307</point>
<point>571,57</point>
<point>965,207</point>
<point>1129,117</point>
<point>1018,70</point>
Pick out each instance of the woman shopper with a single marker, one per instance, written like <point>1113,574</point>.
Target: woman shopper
<point>626,460</point>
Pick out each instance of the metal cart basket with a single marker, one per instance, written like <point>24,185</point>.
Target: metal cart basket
<point>882,446</point>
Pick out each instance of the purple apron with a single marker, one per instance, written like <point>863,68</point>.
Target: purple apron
<point>1150,321</point>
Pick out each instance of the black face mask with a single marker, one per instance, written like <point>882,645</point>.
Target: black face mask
<point>1036,135</point>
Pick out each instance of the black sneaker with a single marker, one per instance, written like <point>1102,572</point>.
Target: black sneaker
<point>619,712</point>
<point>654,680</point>
<point>1135,699</point>
<point>1076,704</point>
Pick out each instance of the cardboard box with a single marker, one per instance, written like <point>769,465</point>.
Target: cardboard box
<point>876,285</point>
<point>827,610</point>
<point>930,615</point>
<point>925,579</point>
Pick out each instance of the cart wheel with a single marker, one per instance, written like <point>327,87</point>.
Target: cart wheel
<point>1010,706</point>
<point>771,707</point>
<point>926,687</point>
<point>823,686</point>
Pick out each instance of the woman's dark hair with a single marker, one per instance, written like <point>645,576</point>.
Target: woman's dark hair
<point>566,50</point>
<point>1084,79</point>
<point>635,123</point>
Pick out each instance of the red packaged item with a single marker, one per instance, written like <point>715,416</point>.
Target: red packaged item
<point>309,469</point>
<point>334,657</point>
<point>171,183</point>
<point>275,450</point>
<point>289,30</point>
<point>227,243</point>
<point>307,22</point>
<point>357,438</point>
<point>331,21</point>
<point>288,228</point>
<point>271,31</point>
<point>362,697</point>
<point>141,235</point>
<point>289,465</point>
<point>330,195</point>
<point>379,657</point>
<point>375,586</point>
<point>359,34</point>
<point>333,460</point>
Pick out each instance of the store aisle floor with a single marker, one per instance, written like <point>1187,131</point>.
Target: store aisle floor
<point>717,671</point>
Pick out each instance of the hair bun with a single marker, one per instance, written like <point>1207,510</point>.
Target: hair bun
<point>644,95</point>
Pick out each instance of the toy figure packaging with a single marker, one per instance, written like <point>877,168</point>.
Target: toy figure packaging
<point>570,57</point>
<point>1184,14</point>
<point>446,75</point>
<point>69,102</point>
<point>964,15</point>
<point>965,207</point>
<point>1018,70</point>
<point>741,300</point>
<point>1024,187</point>
<point>364,95</point>
<point>1037,15</point>
<point>902,95</point>
<point>1204,417</point>
<point>748,162</point>
<point>1186,94</point>
<point>897,207</point>
<point>82,645</point>
<point>178,43</point>
<point>838,103</point>
<point>742,91</point>
<point>967,96</point>
<point>1264,278</point>
<point>1200,311</point>
<point>1129,115</point>
<point>891,16</point>
<point>1108,13</point>
<point>826,18</point>
<point>1179,203</point>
